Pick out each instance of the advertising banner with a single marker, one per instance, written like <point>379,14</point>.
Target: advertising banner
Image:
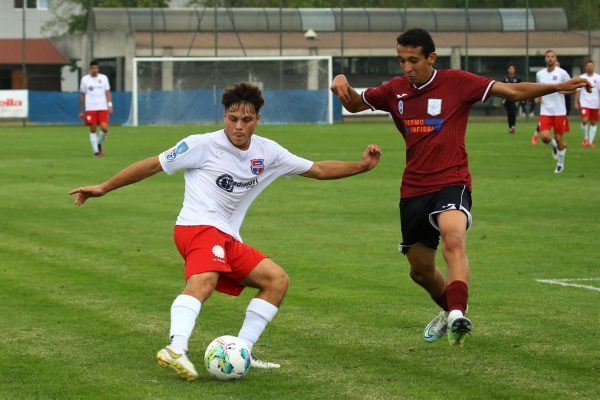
<point>13,104</point>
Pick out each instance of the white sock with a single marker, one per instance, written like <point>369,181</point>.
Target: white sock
<point>184,311</point>
<point>592,134</point>
<point>584,129</point>
<point>258,314</point>
<point>561,156</point>
<point>554,144</point>
<point>101,136</point>
<point>94,141</point>
<point>453,315</point>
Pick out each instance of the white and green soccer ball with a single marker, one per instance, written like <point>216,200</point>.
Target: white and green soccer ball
<point>227,357</point>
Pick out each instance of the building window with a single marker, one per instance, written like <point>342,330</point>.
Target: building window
<point>40,4</point>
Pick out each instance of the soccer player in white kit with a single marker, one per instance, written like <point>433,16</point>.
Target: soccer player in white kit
<point>553,112</point>
<point>224,172</point>
<point>589,104</point>
<point>94,95</point>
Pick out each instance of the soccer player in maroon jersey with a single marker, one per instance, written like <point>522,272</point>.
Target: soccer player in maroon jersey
<point>430,109</point>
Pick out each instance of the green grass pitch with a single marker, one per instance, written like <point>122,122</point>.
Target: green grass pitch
<point>85,292</point>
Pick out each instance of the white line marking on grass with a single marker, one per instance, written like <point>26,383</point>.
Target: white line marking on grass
<point>565,282</point>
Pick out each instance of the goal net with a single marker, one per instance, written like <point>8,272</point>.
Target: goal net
<point>183,90</point>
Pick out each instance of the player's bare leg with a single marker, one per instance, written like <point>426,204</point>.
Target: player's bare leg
<point>545,135</point>
<point>272,282</point>
<point>453,230</point>
<point>424,273</point>
<point>184,311</point>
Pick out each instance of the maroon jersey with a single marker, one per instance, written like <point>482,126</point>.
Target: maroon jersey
<point>433,121</point>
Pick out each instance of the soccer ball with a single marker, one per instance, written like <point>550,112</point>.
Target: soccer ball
<point>227,357</point>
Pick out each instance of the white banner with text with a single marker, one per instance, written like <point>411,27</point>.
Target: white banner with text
<point>13,104</point>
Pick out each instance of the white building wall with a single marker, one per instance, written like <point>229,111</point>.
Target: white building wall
<point>11,21</point>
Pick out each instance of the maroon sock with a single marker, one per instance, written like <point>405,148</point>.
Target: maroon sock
<point>441,301</point>
<point>457,294</point>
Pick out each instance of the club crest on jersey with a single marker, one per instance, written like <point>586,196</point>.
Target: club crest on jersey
<point>180,149</point>
<point>434,107</point>
<point>400,106</point>
<point>257,166</point>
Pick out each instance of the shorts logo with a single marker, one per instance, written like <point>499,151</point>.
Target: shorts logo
<point>89,117</point>
<point>257,166</point>
<point>434,107</point>
<point>218,251</point>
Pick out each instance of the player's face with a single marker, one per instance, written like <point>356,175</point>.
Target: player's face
<point>417,68</point>
<point>240,121</point>
<point>94,69</point>
<point>550,59</point>
<point>511,70</point>
<point>589,68</point>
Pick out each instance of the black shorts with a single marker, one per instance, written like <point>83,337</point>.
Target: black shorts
<point>418,215</point>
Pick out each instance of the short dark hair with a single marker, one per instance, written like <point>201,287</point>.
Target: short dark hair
<point>93,62</point>
<point>417,38</point>
<point>511,65</point>
<point>240,93</point>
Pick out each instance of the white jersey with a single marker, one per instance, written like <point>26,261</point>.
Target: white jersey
<point>590,100</point>
<point>553,104</point>
<point>221,181</point>
<point>95,89</point>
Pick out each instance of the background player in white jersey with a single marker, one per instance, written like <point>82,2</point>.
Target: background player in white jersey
<point>553,112</point>
<point>224,172</point>
<point>588,105</point>
<point>94,95</point>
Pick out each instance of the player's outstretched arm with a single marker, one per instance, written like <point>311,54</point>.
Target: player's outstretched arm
<point>350,99</point>
<point>129,175</point>
<point>526,90</point>
<point>343,169</point>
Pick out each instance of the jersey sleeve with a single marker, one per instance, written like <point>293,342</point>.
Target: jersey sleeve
<point>565,76</point>
<point>188,153</point>
<point>377,98</point>
<point>473,87</point>
<point>82,86</point>
<point>106,83</point>
<point>290,164</point>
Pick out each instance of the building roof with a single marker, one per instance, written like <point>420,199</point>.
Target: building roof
<point>358,43</point>
<point>37,51</point>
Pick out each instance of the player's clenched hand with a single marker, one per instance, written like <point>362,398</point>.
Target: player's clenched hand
<point>371,156</point>
<point>339,87</point>
<point>573,84</point>
<point>83,193</point>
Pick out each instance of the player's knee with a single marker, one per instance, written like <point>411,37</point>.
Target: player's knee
<point>202,285</point>
<point>422,276</point>
<point>453,245</point>
<point>279,281</point>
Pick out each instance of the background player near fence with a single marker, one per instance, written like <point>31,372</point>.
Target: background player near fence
<point>95,105</point>
<point>588,105</point>
<point>224,172</point>
<point>431,109</point>
<point>553,111</point>
<point>509,105</point>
